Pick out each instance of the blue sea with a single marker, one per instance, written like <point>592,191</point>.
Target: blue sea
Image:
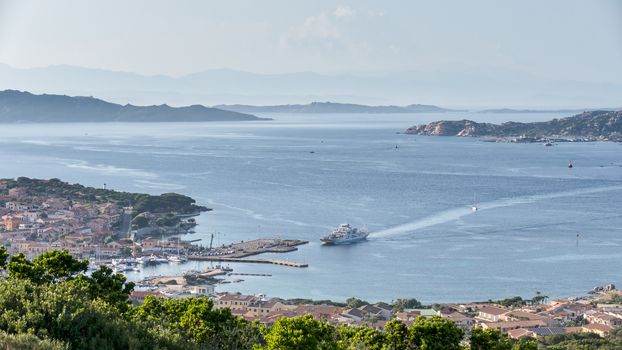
<point>262,180</point>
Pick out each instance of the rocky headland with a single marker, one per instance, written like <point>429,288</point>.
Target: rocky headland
<point>586,126</point>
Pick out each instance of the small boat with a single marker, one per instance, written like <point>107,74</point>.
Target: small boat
<point>548,144</point>
<point>474,206</point>
<point>123,268</point>
<point>159,260</point>
<point>177,259</point>
<point>148,260</point>
<point>570,165</point>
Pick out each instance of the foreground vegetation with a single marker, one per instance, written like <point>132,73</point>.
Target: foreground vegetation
<point>49,303</point>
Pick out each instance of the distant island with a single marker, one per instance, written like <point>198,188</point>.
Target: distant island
<point>24,107</point>
<point>586,126</point>
<point>333,107</point>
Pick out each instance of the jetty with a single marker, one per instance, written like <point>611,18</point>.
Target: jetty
<point>239,252</point>
<point>246,260</point>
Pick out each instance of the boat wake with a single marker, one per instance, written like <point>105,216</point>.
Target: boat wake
<point>457,213</point>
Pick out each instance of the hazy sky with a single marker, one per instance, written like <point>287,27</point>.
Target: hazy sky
<point>559,39</point>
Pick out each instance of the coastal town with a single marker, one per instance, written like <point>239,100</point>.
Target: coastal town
<point>103,226</point>
<point>598,313</point>
<point>33,225</point>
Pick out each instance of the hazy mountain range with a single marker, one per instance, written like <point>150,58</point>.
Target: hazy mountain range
<point>332,107</point>
<point>24,107</point>
<point>474,87</point>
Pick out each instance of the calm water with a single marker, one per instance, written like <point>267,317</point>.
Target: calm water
<point>262,181</point>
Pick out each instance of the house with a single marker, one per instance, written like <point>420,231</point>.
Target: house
<point>319,312</point>
<point>354,314</point>
<point>35,248</point>
<point>204,289</point>
<point>10,224</point>
<point>491,313</point>
<point>600,329</point>
<point>56,204</point>
<point>459,319</point>
<point>98,224</point>
<point>520,333</point>
<point>104,251</point>
<point>150,243</point>
<point>30,216</point>
<point>138,296</point>
<point>503,327</point>
<point>50,233</point>
<point>544,331</point>
<point>373,311</point>
<point>11,205</point>
<point>264,307</point>
<point>234,301</point>
<point>603,318</point>
<point>273,317</point>
<point>407,316</point>
<point>386,310</point>
<point>84,230</point>
<point>518,315</point>
<point>424,312</point>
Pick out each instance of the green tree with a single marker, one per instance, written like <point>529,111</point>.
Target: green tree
<point>108,286</point>
<point>59,265</point>
<point>512,302</point>
<point>353,303</point>
<point>489,339</point>
<point>539,298</point>
<point>194,321</point>
<point>64,312</point>
<point>396,334</point>
<point>20,267</point>
<point>140,222</point>
<point>364,337</point>
<point>302,332</point>
<point>49,267</point>
<point>435,333</point>
<point>401,304</point>
<point>525,344</point>
<point>28,342</point>
<point>3,256</point>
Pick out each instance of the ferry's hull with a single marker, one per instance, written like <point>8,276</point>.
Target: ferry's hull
<point>328,241</point>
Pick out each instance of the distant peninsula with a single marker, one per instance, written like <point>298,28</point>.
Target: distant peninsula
<point>586,126</point>
<point>512,110</point>
<point>24,107</point>
<point>333,107</point>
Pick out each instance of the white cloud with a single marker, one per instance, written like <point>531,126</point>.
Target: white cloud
<point>318,27</point>
<point>344,11</point>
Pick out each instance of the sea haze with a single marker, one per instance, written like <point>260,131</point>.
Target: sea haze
<point>263,181</point>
